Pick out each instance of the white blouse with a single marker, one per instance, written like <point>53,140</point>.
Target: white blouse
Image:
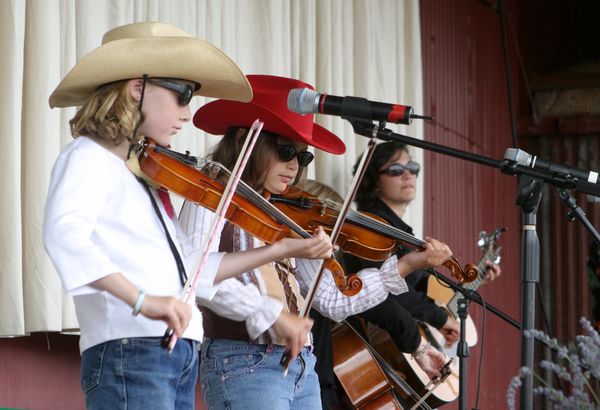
<point>99,220</point>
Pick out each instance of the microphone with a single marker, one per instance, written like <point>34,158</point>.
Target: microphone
<point>527,160</point>
<point>307,101</point>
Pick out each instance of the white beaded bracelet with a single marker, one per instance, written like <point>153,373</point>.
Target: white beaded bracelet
<point>138,303</point>
<point>418,353</point>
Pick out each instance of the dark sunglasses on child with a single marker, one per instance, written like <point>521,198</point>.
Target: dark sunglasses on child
<point>395,170</point>
<point>184,92</point>
<point>287,152</point>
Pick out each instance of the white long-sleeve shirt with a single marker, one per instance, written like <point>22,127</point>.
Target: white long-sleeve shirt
<point>244,301</point>
<point>99,220</point>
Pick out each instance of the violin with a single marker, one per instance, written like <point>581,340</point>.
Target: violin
<point>203,185</point>
<point>364,235</point>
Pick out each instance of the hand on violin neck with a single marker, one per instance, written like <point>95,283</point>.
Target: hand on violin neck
<point>434,253</point>
<point>294,329</point>
<point>318,246</point>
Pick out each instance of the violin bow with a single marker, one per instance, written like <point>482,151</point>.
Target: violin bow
<point>189,289</point>
<point>358,175</point>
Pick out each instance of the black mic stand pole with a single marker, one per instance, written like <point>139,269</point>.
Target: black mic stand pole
<point>528,198</point>
<point>462,349</point>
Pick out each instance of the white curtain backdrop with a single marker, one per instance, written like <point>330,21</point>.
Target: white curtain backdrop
<point>367,48</point>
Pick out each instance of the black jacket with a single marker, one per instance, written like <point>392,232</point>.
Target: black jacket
<point>414,303</point>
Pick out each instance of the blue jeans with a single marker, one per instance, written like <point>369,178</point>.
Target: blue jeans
<point>137,373</point>
<point>240,375</point>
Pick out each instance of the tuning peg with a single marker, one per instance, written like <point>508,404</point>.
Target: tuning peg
<point>499,231</point>
<point>483,239</point>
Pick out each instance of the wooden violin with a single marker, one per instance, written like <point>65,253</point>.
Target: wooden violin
<point>203,185</point>
<point>363,234</point>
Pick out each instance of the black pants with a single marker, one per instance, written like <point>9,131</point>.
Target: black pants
<point>323,345</point>
<point>391,316</point>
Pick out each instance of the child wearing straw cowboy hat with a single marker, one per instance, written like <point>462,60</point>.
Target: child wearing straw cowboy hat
<point>253,318</point>
<point>116,247</point>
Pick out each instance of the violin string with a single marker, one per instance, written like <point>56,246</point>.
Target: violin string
<point>263,204</point>
<point>368,222</point>
<point>378,226</point>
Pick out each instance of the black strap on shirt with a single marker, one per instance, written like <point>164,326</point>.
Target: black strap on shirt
<point>180,267</point>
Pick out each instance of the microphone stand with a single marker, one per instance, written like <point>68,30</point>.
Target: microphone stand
<point>462,350</point>
<point>531,182</point>
<point>472,295</point>
<point>577,212</point>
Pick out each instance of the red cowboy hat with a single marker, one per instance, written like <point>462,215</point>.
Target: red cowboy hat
<point>270,106</point>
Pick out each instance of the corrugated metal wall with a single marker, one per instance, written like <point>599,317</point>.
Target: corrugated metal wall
<point>465,89</point>
<point>565,244</point>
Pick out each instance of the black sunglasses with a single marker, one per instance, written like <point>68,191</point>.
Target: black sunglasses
<point>184,92</point>
<point>287,152</point>
<point>395,170</point>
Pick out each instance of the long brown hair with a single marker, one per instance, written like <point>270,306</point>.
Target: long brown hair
<point>228,149</point>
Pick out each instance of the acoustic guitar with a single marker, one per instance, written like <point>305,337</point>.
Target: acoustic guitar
<point>447,390</point>
<point>448,299</point>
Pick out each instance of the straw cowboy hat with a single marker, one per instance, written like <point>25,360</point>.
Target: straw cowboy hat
<point>158,50</point>
<point>270,106</point>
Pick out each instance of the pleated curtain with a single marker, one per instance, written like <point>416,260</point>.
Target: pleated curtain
<point>367,48</point>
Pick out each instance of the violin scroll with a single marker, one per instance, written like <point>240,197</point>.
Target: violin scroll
<point>466,275</point>
<point>349,285</point>
<point>470,272</point>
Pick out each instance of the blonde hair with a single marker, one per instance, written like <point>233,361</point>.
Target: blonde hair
<point>320,190</point>
<point>111,114</point>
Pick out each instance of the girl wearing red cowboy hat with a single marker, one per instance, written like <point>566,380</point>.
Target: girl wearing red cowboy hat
<point>251,319</point>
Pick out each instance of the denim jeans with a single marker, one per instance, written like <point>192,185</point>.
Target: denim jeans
<point>137,373</point>
<point>240,375</point>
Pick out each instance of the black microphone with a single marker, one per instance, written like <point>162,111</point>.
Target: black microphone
<point>527,160</point>
<point>307,101</point>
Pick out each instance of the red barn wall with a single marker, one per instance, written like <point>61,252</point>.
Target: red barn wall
<point>466,91</point>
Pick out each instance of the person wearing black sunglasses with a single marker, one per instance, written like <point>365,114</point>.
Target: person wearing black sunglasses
<point>251,319</point>
<point>183,90</point>
<point>387,188</point>
<point>113,238</point>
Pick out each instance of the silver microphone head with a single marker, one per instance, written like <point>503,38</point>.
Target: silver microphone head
<point>520,157</point>
<point>303,101</point>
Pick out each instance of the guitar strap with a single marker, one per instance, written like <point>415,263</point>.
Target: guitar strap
<point>180,266</point>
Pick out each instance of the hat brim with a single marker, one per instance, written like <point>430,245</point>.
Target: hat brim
<point>186,58</point>
<point>218,116</point>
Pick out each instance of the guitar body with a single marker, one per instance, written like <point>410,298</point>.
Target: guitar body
<point>443,393</point>
<point>442,296</point>
<point>448,390</point>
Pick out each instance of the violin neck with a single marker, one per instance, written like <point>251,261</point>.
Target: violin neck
<point>367,222</point>
<point>261,202</point>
